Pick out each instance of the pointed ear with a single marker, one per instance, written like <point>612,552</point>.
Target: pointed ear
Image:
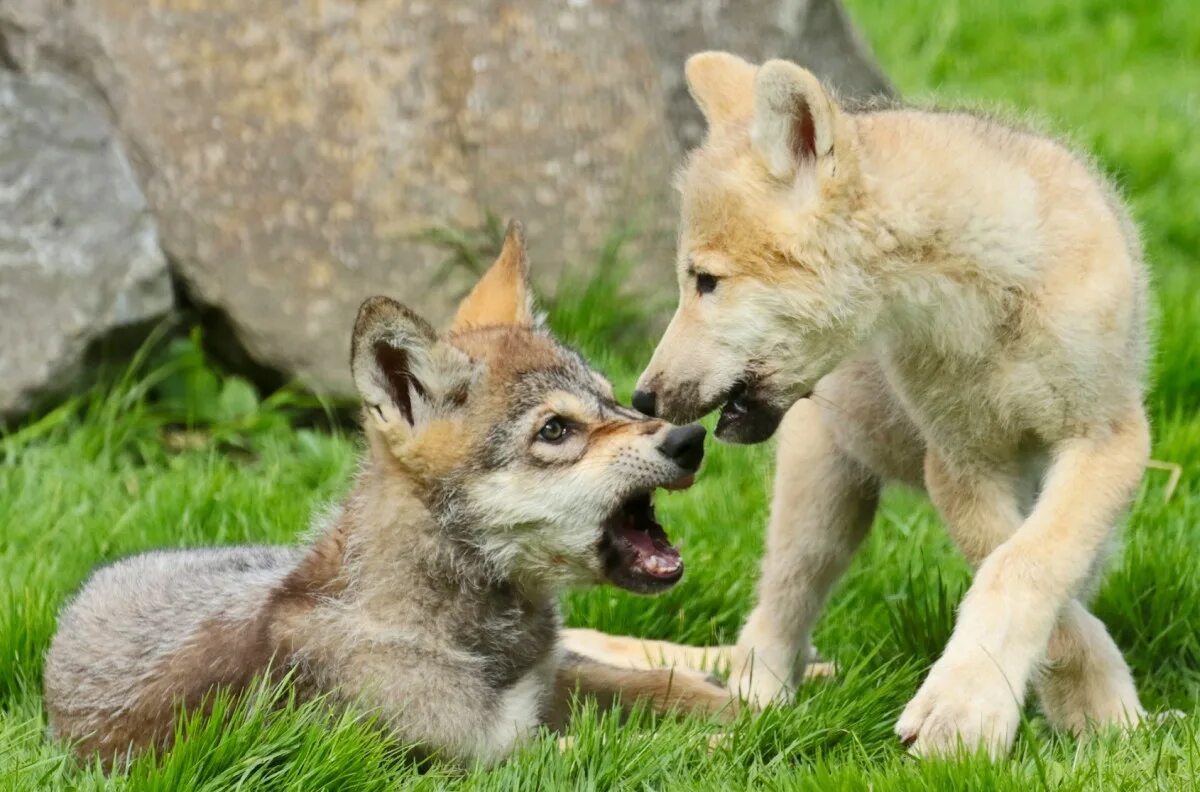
<point>722,85</point>
<point>502,296</point>
<point>793,118</point>
<point>401,370</point>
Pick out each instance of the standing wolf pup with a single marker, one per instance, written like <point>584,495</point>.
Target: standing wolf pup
<point>965,302</point>
<point>498,471</point>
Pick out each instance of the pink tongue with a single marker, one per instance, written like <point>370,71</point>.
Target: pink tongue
<point>655,557</point>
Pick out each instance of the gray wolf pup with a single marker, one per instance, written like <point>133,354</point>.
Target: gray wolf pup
<point>498,471</point>
<point>964,301</point>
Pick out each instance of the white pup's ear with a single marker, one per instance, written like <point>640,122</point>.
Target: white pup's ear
<point>793,119</point>
<point>405,375</point>
<point>722,85</point>
<point>503,295</point>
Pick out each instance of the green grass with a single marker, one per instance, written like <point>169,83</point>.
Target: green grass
<point>96,480</point>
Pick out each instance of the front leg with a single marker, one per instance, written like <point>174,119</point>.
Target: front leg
<point>1084,680</point>
<point>980,508</point>
<point>973,692</point>
<point>823,507</point>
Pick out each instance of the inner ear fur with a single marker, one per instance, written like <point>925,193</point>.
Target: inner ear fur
<point>395,367</point>
<point>793,118</point>
<point>391,347</point>
<point>502,296</point>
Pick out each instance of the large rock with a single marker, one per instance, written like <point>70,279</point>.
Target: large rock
<point>296,154</point>
<point>79,257</point>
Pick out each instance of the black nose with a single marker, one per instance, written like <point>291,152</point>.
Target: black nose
<point>685,445</point>
<point>643,402</point>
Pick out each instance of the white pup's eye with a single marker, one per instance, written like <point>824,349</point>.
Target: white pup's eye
<point>553,431</point>
<point>705,283</point>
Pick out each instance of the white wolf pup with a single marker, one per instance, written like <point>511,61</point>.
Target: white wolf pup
<point>498,471</point>
<point>965,300</point>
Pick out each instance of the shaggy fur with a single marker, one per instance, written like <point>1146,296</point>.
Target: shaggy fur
<point>429,596</point>
<point>967,301</point>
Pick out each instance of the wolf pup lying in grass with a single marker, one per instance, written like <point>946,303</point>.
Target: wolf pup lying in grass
<point>498,471</point>
<point>967,299</point>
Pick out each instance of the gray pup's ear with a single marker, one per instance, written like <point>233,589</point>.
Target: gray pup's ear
<point>401,369</point>
<point>793,119</point>
<point>503,295</point>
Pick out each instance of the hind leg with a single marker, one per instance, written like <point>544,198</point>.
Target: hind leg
<point>640,653</point>
<point>1086,680</point>
<point>663,690</point>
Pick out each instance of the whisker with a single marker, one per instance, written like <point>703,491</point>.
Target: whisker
<point>871,431</point>
<point>832,406</point>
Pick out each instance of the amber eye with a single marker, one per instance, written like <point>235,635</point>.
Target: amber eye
<point>553,431</point>
<point>705,283</point>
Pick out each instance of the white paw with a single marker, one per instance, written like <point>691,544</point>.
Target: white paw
<point>760,681</point>
<point>1096,712</point>
<point>821,669</point>
<point>970,708</point>
<point>817,666</point>
<point>1165,717</point>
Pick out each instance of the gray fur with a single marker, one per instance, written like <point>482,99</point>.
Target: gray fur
<point>429,597</point>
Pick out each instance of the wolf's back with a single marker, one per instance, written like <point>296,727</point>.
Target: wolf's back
<point>133,619</point>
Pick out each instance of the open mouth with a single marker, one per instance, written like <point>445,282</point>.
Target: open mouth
<point>635,549</point>
<point>746,418</point>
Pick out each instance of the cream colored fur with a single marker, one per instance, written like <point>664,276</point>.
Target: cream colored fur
<point>967,300</point>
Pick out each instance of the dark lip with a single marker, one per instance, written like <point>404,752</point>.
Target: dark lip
<point>746,417</point>
<point>623,564</point>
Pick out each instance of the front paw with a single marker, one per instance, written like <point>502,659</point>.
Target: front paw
<point>760,679</point>
<point>964,707</point>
